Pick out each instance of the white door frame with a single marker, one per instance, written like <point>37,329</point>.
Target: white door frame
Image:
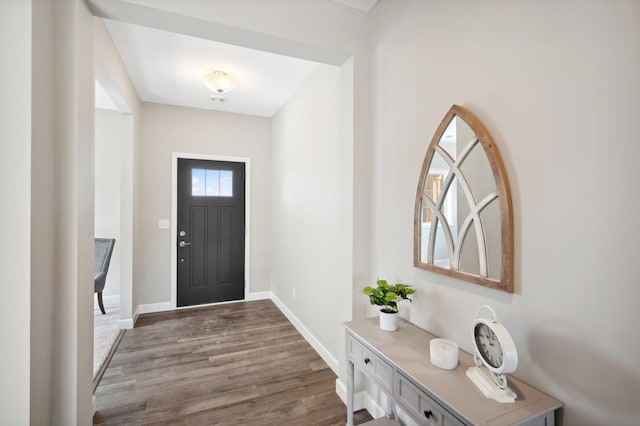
<point>174,217</point>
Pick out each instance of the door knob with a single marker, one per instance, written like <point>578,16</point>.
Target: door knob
<point>183,244</point>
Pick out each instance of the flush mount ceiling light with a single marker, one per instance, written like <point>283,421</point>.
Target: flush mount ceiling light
<point>219,82</point>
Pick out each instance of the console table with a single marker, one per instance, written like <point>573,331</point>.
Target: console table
<point>398,362</point>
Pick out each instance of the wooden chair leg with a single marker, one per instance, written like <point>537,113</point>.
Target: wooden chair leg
<point>100,303</point>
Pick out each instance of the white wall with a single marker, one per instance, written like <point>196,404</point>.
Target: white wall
<point>556,84</point>
<point>166,129</point>
<point>110,72</point>
<point>15,190</point>
<point>43,222</point>
<point>108,154</point>
<point>73,114</point>
<point>297,29</point>
<point>311,226</point>
<point>62,395</point>
<point>47,171</point>
<point>552,82</point>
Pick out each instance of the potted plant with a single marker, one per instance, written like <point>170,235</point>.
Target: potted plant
<point>387,297</point>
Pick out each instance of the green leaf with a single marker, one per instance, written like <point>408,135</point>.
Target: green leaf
<point>367,290</point>
<point>387,295</point>
<point>390,296</point>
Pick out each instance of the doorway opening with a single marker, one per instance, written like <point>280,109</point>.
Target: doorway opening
<point>210,229</point>
<point>113,168</point>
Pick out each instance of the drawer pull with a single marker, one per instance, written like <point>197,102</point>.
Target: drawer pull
<point>428,414</point>
<point>367,360</point>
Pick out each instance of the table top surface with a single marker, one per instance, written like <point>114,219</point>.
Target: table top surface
<point>408,349</point>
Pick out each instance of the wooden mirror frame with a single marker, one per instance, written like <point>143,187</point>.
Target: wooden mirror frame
<point>504,204</point>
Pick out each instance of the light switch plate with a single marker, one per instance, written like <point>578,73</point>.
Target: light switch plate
<point>163,224</point>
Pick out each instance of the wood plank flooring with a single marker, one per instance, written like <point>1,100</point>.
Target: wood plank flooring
<point>235,364</point>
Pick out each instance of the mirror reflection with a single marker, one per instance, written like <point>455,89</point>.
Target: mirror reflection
<point>459,228</point>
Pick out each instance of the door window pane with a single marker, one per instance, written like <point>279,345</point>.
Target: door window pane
<point>226,183</point>
<point>211,183</point>
<point>197,182</point>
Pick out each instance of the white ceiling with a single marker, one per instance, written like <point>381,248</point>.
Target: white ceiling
<point>167,68</point>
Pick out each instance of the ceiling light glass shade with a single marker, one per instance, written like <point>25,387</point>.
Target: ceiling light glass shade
<point>218,81</point>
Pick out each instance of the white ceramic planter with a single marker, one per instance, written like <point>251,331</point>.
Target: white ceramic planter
<point>388,322</point>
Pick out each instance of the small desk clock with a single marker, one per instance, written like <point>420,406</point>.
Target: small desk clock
<point>493,349</point>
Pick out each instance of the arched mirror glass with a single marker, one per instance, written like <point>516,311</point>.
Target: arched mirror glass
<point>463,225</point>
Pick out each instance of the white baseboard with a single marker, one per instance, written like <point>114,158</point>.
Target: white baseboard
<point>259,295</point>
<point>111,299</point>
<point>150,308</point>
<point>126,324</point>
<point>331,361</point>
<point>114,299</point>
<point>360,400</point>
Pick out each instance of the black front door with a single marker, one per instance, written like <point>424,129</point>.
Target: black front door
<point>211,221</point>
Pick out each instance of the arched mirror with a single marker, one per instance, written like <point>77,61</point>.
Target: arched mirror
<point>463,224</point>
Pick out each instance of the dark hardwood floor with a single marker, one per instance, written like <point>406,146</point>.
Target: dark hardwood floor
<point>235,364</point>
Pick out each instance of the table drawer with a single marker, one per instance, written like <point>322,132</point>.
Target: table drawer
<point>370,363</point>
<point>420,405</point>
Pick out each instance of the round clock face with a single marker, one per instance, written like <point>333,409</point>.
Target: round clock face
<point>488,345</point>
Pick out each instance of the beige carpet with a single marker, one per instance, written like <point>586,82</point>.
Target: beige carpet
<point>105,331</point>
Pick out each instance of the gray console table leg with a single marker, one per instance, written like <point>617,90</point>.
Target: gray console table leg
<point>350,372</point>
<point>389,412</point>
